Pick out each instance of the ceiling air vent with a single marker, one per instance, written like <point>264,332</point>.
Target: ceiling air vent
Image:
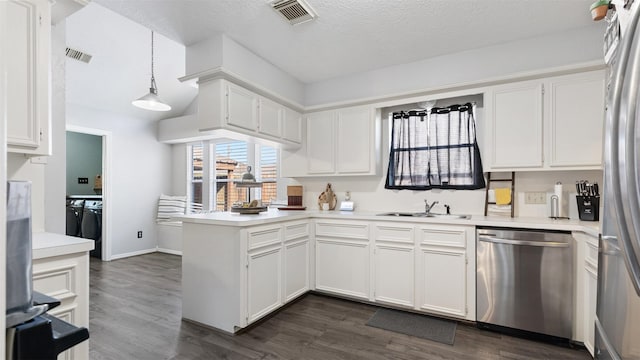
<point>78,55</point>
<point>295,11</point>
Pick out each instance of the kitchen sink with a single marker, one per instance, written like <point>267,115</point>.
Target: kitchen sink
<point>401,214</point>
<point>447,216</point>
<point>423,214</point>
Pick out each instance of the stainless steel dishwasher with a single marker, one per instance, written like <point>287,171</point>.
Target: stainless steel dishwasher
<point>524,280</point>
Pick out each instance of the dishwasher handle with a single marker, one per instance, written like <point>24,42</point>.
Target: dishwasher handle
<point>496,240</point>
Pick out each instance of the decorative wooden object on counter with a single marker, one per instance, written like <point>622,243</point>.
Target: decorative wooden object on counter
<point>294,195</point>
<point>328,197</point>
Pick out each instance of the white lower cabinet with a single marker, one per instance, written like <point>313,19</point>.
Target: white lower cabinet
<point>296,259</point>
<point>234,275</point>
<point>424,267</point>
<point>342,257</point>
<point>264,274</point>
<point>66,278</point>
<point>443,273</point>
<point>394,259</point>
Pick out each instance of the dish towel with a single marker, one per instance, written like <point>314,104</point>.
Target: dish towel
<point>503,196</point>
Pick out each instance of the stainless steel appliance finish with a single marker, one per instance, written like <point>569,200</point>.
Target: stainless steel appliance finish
<point>524,280</point>
<point>618,305</point>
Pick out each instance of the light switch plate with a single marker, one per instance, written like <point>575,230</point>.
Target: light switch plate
<point>535,197</point>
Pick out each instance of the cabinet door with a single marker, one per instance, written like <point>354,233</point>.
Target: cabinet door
<point>443,281</point>
<point>394,265</point>
<point>576,120</point>
<point>296,259</point>
<point>321,143</point>
<point>292,126</point>
<point>591,292</point>
<point>241,108</point>
<point>270,117</point>
<point>515,131</point>
<point>342,258</point>
<point>264,282</point>
<point>27,104</point>
<point>442,270</point>
<point>354,134</point>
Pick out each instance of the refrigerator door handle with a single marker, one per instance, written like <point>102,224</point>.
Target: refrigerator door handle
<point>619,121</point>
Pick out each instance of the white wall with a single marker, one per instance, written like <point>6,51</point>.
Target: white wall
<point>571,47</point>
<point>221,51</point>
<point>84,159</point>
<point>55,186</point>
<point>140,171</point>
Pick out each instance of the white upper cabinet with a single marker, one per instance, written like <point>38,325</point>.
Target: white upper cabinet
<point>576,120</point>
<point>269,117</point>
<point>554,123</point>
<point>355,138</point>
<point>292,126</point>
<point>321,143</point>
<point>342,142</point>
<point>228,110</point>
<point>242,106</point>
<point>28,41</point>
<point>515,126</point>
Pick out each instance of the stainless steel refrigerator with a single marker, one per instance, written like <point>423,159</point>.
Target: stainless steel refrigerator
<point>618,305</point>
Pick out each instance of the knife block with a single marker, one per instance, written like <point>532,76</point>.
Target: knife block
<point>588,207</point>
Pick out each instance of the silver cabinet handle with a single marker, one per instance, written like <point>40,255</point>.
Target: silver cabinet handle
<point>523,242</point>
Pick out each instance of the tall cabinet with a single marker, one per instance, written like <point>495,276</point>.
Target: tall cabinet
<point>28,36</point>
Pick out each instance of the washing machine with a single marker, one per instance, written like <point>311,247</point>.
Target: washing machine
<point>92,225</point>
<point>75,209</point>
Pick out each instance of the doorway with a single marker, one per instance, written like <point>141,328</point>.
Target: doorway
<point>87,184</point>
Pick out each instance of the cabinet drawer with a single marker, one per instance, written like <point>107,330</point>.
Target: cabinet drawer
<point>391,233</point>
<point>260,237</point>
<point>296,230</point>
<point>343,230</point>
<point>55,280</point>
<point>443,237</point>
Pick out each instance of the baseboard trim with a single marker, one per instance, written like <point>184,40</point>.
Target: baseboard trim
<point>169,251</point>
<point>133,253</point>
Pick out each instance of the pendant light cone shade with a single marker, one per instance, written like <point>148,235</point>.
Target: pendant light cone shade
<point>152,101</point>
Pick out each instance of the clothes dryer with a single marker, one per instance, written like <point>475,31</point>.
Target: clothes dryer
<point>74,210</point>
<point>92,225</point>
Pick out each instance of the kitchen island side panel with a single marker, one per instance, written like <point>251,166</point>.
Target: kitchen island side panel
<point>211,275</point>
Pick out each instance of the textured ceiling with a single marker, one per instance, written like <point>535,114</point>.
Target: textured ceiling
<point>357,35</point>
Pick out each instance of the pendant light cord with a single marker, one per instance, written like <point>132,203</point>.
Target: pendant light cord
<point>153,89</point>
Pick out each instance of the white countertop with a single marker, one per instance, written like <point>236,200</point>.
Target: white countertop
<point>49,244</point>
<point>233,219</point>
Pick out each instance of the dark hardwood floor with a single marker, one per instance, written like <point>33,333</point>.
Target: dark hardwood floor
<point>136,308</point>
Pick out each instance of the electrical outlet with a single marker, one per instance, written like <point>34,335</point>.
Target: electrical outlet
<point>140,234</point>
<point>83,180</point>
<point>535,197</point>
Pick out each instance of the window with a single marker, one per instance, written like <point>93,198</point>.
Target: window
<point>434,149</point>
<point>194,192</point>
<point>231,161</point>
<point>268,173</point>
<point>222,165</point>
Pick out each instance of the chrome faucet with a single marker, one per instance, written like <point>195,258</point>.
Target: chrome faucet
<point>427,207</point>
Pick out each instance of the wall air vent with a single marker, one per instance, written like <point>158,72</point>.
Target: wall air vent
<point>295,11</point>
<point>78,55</point>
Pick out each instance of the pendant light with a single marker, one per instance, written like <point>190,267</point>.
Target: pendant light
<point>151,101</point>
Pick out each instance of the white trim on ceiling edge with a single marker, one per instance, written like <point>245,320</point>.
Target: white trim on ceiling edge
<point>391,99</point>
